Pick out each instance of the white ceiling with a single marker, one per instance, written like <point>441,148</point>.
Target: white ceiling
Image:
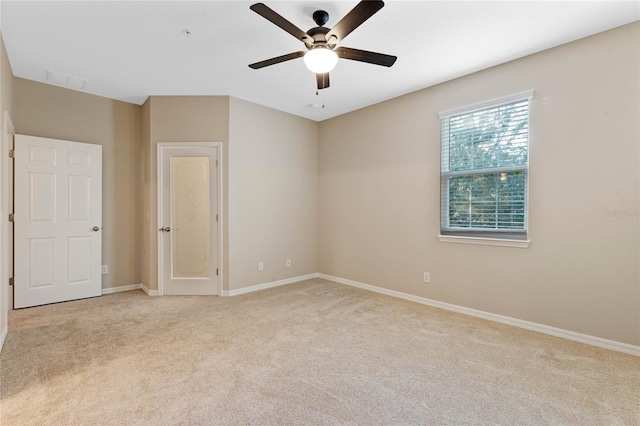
<point>128,50</point>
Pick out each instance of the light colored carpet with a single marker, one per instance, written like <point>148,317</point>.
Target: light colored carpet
<point>314,352</point>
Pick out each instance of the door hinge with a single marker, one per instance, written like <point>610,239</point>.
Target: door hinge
<point>10,217</point>
<point>12,153</point>
<point>216,163</point>
<point>216,217</point>
<point>11,281</point>
<point>217,271</point>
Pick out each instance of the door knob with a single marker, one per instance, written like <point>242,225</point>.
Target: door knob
<point>96,228</point>
<point>166,229</point>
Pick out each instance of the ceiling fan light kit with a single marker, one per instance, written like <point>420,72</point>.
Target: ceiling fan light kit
<point>321,42</point>
<point>320,59</point>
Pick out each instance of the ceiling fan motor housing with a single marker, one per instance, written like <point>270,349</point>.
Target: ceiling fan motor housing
<point>318,35</point>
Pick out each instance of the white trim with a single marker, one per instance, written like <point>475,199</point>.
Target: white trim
<point>272,284</point>
<point>221,218</point>
<point>6,180</point>
<point>527,94</point>
<point>160,241</point>
<point>159,199</point>
<point>147,291</point>
<point>446,174</point>
<point>493,170</point>
<point>121,288</point>
<point>540,328</point>
<point>484,241</point>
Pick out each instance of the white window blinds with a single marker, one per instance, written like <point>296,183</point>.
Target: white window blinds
<point>485,168</point>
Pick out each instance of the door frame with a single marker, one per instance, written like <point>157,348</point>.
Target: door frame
<point>159,206</point>
<point>6,207</point>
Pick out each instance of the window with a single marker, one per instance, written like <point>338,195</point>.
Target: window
<point>484,173</point>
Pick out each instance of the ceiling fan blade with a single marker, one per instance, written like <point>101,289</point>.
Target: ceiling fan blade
<point>276,60</point>
<point>323,80</point>
<point>363,11</point>
<point>365,56</point>
<point>270,15</point>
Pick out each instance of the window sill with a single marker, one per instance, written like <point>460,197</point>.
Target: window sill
<point>484,241</point>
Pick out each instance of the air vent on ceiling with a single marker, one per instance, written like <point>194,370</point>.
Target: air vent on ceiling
<point>66,80</point>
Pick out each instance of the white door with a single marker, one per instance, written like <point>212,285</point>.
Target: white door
<point>188,219</point>
<point>57,220</point>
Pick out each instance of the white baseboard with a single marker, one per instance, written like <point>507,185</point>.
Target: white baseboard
<point>540,328</point>
<point>147,291</point>
<point>130,287</point>
<point>121,288</point>
<point>258,287</point>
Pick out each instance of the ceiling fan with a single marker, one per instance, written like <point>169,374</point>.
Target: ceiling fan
<point>322,54</point>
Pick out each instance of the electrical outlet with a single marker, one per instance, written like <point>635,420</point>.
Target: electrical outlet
<point>105,269</point>
<point>260,266</point>
<point>427,277</point>
<point>287,263</point>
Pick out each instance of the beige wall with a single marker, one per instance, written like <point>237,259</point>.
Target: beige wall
<point>6,87</point>
<point>180,119</point>
<point>273,192</point>
<point>58,113</point>
<point>379,193</point>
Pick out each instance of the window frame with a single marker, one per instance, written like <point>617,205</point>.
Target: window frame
<point>499,237</point>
